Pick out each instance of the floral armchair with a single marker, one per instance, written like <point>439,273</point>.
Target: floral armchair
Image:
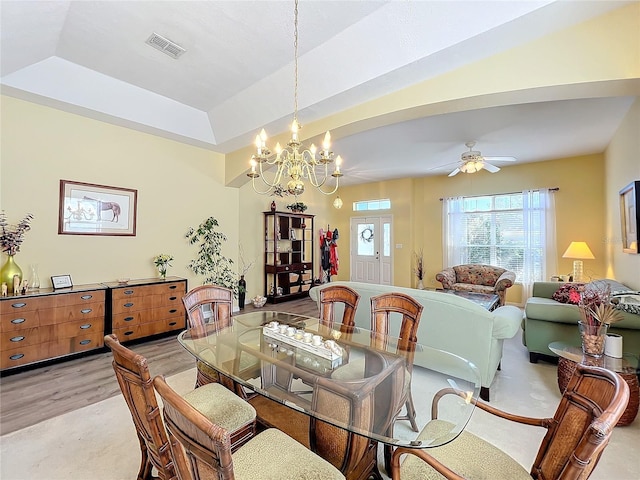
<point>477,278</point>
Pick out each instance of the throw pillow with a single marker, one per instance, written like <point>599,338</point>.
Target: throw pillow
<point>568,293</point>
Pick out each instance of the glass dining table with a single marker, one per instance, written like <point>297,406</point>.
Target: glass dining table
<point>347,382</point>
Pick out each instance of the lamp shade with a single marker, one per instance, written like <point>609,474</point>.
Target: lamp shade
<point>578,250</point>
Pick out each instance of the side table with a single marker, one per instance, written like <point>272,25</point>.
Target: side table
<point>626,367</point>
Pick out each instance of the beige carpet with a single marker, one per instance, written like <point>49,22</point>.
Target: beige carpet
<point>99,442</point>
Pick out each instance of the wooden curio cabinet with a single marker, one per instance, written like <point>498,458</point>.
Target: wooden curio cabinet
<point>288,255</point>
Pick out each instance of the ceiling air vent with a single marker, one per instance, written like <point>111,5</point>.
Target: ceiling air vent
<point>164,45</point>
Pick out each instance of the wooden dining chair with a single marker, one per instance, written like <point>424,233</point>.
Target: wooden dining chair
<point>338,294</point>
<point>213,400</point>
<point>208,305</point>
<point>384,308</point>
<point>270,455</point>
<point>579,431</point>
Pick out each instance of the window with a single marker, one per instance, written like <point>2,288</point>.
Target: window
<point>508,230</point>
<point>383,204</point>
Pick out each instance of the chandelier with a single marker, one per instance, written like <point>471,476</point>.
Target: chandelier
<point>294,163</point>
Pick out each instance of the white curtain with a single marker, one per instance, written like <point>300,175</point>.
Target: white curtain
<point>452,231</point>
<point>539,215</point>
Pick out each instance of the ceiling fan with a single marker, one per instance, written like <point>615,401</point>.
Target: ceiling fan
<point>473,161</point>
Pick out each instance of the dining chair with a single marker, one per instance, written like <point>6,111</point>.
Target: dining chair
<point>338,294</point>
<point>213,400</point>
<point>579,431</point>
<point>208,305</point>
<point>384,308</point>
<point>270,455</point>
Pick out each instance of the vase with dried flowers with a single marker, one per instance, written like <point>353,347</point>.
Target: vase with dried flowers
<point>418,269</point>
<point>161,262</point>
<point>597,313</point>
<point>11,238</point>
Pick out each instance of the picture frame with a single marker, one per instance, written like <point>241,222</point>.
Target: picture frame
<point>630,216</point>
<point>61,281</point>
<point>91,209</point>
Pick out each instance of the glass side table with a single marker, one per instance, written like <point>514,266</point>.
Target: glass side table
<point>626,367</point>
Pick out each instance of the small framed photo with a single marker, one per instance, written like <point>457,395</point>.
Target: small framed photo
<point>90,209</point>
<point>61,281</point>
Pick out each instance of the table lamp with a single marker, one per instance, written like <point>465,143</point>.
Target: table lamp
<point>578,251</point>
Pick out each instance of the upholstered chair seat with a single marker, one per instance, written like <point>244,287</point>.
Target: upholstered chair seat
<point>270,455</point>
<point>576,437</point>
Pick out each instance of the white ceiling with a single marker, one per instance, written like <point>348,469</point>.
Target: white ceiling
<point>90,57</point>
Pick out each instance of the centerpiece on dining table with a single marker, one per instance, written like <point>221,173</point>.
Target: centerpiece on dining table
<point>597,313</point>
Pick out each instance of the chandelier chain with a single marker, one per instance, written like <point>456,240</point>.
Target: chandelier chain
<point>295,62</point>
<point>294,163</point>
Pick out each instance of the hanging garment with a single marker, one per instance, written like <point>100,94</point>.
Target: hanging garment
<point>333,258</point>
<point>325,251</point>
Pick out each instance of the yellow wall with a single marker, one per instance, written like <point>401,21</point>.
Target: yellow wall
<point>178,187</point>
<point>417,212</point>
<point>621,168</point>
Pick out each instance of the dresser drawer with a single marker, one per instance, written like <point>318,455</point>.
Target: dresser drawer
<point>42,315</point>
<point>125,320</point>
<point>146,329</point>
<point>26,304</point>
<point>26,354</point>
<point>20,338</point>
<point>11,322</point>
<point>146,301</point>
<point>163,289</point>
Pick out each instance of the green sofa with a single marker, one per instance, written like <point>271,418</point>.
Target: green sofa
<point>546,321</point>
<point>450,323</point>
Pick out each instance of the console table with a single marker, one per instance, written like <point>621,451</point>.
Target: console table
<point>47,324</point>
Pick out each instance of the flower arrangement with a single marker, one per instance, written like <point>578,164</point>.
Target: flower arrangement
<point>297,207</point>
<point>595,304</point>
<point>418,270</point>
<point>161,262</point>
<point>596,314</point>
<point>11,236</point>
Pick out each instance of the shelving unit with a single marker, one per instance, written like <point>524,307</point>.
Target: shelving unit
<point>288,255</point>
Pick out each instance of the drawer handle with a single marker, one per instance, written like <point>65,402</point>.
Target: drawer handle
<point>173,287</point>
<point>173,324</point>
<point>86,297</point>
<point>85,326</point>
<point>85,342</point>
<point>130,304</point>
<point>173,310</point>
<point>17,321</point>
<point>286,268</point>
<point>128,333</point>
<point>18,305</point>
<point>17,356</point>
<point>17,339</point>
<point>86,310</point>
<point>128,292</point>
<point>128,319</point>
<point>172,298</point>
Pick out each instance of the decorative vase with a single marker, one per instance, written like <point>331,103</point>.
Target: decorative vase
<point>35,278</point>
<point>162,270</point>
<point>242,291</point>
<point>420,285</point>
<point>593,338</point>
<point>7,273</point>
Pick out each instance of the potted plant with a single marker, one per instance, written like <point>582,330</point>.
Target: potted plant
<point>210,261</point>
<point>297,207</point>
<point>418,269</point>
<point>11,238</point>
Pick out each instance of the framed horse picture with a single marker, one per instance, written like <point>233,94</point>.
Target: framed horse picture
<point>90,209</point>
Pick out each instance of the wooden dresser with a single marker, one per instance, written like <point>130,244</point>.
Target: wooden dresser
<point>142,308</point>
<point>51,323</point>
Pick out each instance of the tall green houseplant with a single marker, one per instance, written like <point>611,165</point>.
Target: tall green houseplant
<point>210,261</point>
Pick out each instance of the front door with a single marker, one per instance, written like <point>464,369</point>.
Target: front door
<point>371,260</point>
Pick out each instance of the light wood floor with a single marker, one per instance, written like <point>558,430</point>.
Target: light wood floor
<point>32,396</point>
